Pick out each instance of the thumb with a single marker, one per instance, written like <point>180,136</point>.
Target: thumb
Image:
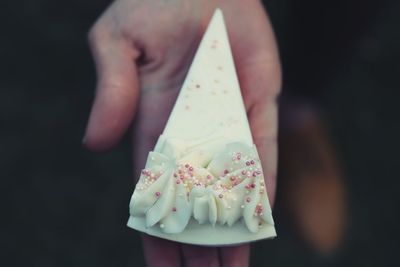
<point>117,90</point>
<point>261,83</point>
<point>258,68</point>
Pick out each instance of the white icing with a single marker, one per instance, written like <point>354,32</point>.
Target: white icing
<point>231,186</point>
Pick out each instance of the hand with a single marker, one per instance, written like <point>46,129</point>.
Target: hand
<point>146,47</point>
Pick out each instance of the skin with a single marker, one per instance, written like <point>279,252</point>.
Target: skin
<point>142,50</point>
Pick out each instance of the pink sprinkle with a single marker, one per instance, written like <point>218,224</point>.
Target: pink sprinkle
<point>209,177</point>
<point>238,156</point>
<point>226,171</point>
<point>174,209</point>
<point>248,199</point>
<point>243,172</point>
<point>175,175</point>
<point>186,165</point>
<point>158,194</point>
<point>247,186</point>
<point>254,174</point>
<point>232,178</point>
<point>259,208</point>
<point>191,168</point>
<point>178,181</point>
<point>182,177</point>
<point>248,163</point>
<point>252,162</point>
<point>252,185</point>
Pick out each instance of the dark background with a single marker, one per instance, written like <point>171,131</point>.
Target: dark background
<point>65,206</point>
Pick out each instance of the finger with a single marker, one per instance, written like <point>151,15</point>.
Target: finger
<point>160,252</point>
<point>263,119</point>
<point>263,122</point>
<point>237,256</point>
<point>259,73</point>
<point>116,92</point>
<point>197,256</point>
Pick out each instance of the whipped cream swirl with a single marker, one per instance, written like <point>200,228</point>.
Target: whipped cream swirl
<point>210,187</point>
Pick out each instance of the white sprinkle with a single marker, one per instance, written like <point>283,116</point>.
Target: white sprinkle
<point>161,225</point>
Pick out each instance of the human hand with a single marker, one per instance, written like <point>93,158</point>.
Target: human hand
<point>142,50</point>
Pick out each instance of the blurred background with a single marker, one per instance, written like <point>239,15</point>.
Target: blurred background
<point>65,206</point>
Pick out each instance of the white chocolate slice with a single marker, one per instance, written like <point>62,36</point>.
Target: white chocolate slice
<point>204,184</point>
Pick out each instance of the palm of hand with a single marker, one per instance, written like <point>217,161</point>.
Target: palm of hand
<point>149,45</point>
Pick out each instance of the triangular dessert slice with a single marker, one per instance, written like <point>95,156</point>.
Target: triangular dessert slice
<point>203,183</point>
